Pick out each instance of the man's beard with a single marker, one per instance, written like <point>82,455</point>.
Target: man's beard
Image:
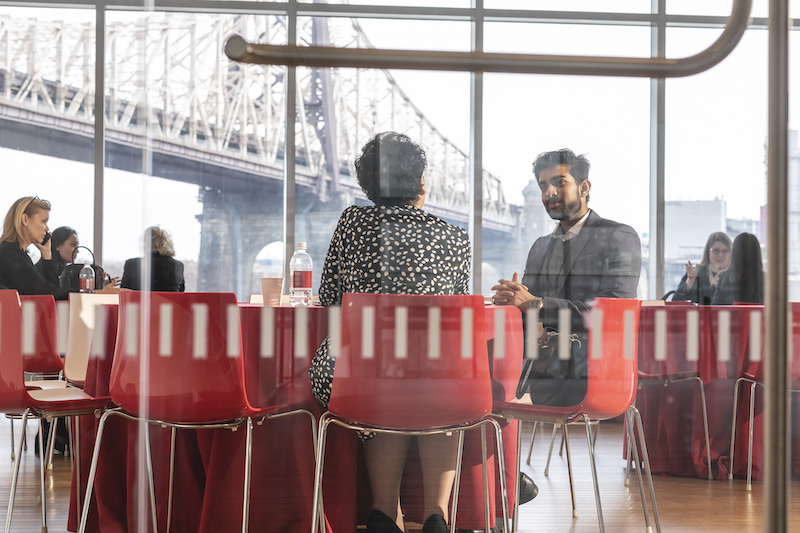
<point>565,212</point>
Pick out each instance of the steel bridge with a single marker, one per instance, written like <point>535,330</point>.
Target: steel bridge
<point>178,108</point>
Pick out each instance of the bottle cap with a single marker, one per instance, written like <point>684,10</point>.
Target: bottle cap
<point>301,246</point>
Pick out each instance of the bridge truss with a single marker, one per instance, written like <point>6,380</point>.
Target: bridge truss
<point>169,83</point>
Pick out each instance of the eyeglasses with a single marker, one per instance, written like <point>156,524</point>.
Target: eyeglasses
<point>720,251</point>
<point>32,200</point>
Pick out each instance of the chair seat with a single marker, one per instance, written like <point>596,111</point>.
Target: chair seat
<point>46,384</point>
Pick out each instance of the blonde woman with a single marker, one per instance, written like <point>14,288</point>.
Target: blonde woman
<point>166,273</point>
<point>26,224</point>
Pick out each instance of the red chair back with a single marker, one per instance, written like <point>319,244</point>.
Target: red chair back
<point>41,354</point>
<point>189,351</point>
<point>795,309</point>
<point>436,375</point>
<point>611,387</point>
<point>674,363</point>
<point>13,396</point>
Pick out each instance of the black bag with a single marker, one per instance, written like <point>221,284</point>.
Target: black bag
<point>70,278</point>
<point>553,381</point>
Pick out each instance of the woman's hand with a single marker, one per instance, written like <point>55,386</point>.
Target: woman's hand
<point>691,274</point>
<point>44,249</point>
<point>108,289</point>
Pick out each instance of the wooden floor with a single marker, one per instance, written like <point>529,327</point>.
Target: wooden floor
<point>685,505</point>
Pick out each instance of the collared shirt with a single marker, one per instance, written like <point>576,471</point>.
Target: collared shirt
<point>558,231</point>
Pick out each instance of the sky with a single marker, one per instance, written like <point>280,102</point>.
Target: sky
<point>715,135</point>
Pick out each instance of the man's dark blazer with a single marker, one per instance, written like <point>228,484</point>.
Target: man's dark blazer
<point>605,260</point>
<point>167,274</point>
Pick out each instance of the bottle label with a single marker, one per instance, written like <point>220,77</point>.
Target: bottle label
<point>87,284</point>
<point>301,279</point>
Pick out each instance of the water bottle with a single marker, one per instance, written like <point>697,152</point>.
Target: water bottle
<point>86,278</point>
<point>300,268</point>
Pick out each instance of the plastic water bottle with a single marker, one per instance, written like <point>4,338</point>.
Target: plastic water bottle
<point>300,268</point>
<point>86,278</point>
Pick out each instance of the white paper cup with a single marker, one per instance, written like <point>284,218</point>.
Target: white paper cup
<point>272,288</point>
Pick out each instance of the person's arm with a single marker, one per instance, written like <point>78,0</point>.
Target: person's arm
<point>330,287</point>
<point>462,284</point>
<point>19,273</point>
<point>179,276</point>
<point>619,274</point>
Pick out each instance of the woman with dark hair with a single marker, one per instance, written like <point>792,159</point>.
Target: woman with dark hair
<point>26,224</point>
<point>65,241</point>
<point>744,279</point>
<point>166,272</point>
<point>700,281</point>
<point>394,247</point>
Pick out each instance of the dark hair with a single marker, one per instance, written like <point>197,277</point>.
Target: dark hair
<point>717,236</point>
<point>577,165</point>
<point>389,169</point>
<point>59,237</point>
<point>746,268</point>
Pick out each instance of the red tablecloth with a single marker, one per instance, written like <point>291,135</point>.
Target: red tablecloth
<point>209,465</point>
<point>672,415</point>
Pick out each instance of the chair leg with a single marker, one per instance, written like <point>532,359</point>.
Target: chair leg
<point>517,476</point>
<point>485,480</point>
<point>705,425</point>
<point>550,452</point>
<point>84,515</point>
<point>635,452</point>
<point>569,471</point>
<point>733,424</point>
<point>171,475</point>
<point>594,473</point>
<point>561,447</point>
<point>51,443</point>
<point>12,439</point>
<point>248,458</point>
<point>324,421</point>
<point>530,448</point>
<point>646,463</point>
<point>501,465</point>
<point>456,482</point>
<point>15,475</point>
<point>749,485</point>
<point>150,480</point>
<point>42,468</point>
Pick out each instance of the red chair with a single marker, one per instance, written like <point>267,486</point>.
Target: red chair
<point>413,365</point>
<point>611,389</point>
<point>41,361</point>
<point>194,378</point>
<point>664,330</point>
<point>16,398</point>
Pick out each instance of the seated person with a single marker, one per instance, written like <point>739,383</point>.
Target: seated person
<point>397,238</point>
<point>26,224</point>
<point>166,273</point>
<point>744,279</point>
<point>64,242</point>
<point>700,280</point>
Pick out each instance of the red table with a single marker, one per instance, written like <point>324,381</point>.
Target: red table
<point>672,415</point>
<point>209,463</point>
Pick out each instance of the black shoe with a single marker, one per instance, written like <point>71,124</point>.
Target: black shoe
<point>378,522</point>
<point>527,489</point>
<point>435,524</point>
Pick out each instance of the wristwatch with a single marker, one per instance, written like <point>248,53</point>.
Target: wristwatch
<point>537,303</point>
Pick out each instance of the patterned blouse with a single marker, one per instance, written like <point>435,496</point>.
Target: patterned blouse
<point>395,250</point>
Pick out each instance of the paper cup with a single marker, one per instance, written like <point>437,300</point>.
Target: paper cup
<point>272,288</point>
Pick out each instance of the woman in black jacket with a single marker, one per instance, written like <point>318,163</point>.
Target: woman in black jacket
<point>700,281</point>
<point>744,279</point>
<point>166,273</point>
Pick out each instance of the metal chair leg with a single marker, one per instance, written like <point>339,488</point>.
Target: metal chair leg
<point>15,475</point>
<point>42,468</point>
<point>248,459</point>
<point>324,421</point>
<point>749,485</point>
<point>84,515</point>
<point>550,452</point>
<point>646,463</point>
<point>150,479</point>
<point>530,448</point>
<point>171,475</point>
<point>733,424</point>
<point>13,455</point>
<point>594,473</point>
<point>501,465</point>
<point>457,482</point>
<point>635,452</point>
<point>705,425</point>
<point>517,476</point>
<point>569,471</point>
<point>486,517</point>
